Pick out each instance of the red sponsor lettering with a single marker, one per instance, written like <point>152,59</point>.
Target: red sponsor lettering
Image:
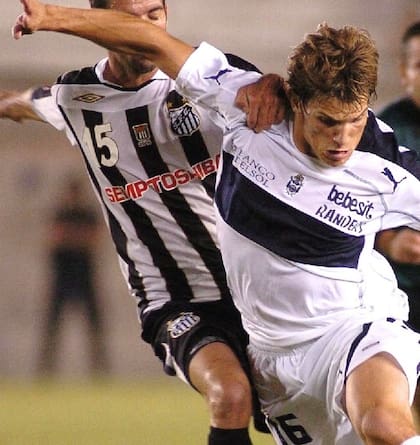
<point>154,183</point>
<point>182,176</point>
<point>167,181</point>
<point>136,189</point>
<point>208,167</point>
<point>116,194</point>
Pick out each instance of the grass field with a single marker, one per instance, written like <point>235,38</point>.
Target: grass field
<point>151,412</point>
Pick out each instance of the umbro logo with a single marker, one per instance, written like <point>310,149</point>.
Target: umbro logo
<point>89,98</point>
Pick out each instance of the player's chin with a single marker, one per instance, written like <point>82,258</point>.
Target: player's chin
<point>335,158</point>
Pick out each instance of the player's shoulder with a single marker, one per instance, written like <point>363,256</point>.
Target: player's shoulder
<point>239,62</point>
<point>396,110</point>
<point>379,139</point>
<point>82,76</point>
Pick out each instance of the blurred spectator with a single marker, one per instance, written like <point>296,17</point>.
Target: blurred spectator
<point>402,246</point>
<point>72,239</point>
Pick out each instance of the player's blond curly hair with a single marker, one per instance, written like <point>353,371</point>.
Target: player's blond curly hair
<point>339,63</point>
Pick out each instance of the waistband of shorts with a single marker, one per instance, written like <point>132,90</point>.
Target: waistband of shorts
<point>275,349</point>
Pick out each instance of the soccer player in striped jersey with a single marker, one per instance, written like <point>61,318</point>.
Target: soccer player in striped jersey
<point>152,157</point>
<point>298,207</point>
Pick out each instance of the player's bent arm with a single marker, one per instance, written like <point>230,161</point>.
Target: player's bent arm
<point>400,245</point>
<point>17,106</point>
<point>114,30</point>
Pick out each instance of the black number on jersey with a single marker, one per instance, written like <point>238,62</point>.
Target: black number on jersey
<point>286,427</point>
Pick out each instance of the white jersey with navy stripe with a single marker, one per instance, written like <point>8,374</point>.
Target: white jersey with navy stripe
<point>151,157</point>
<point>297,236</point>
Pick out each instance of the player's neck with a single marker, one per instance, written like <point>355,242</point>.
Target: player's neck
<point>416,99</point>
<point>124,76</point>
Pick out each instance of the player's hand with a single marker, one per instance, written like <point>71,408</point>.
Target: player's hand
<point>401,246</point>
<point>264,102</point>
<point>17,106</point>
<point>31,18</point>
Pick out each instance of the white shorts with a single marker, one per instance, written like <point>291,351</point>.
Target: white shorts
<point>301,389</point>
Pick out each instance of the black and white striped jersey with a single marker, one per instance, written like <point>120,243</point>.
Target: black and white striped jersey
<point>151,156</point>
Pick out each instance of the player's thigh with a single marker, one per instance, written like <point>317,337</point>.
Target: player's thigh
<point>192,332</point>
<point>381,383</point>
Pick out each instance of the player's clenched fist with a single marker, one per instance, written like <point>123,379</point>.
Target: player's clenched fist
<point>31,18</point>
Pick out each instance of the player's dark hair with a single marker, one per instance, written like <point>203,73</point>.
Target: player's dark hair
<point>105,4</point>
<point>412,31</point>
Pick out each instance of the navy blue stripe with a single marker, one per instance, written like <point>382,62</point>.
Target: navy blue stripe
<point>283,230</point>
<point>385,145</point>
<point>354,345</point>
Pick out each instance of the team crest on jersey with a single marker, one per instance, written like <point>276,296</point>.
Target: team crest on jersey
<point>183,117</point>
<point>295,184</point>
<point>142,134</point>
<point>184,323</point>
<point>89,98</point>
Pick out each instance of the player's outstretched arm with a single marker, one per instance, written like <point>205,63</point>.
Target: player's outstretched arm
<point>114,30</point>
<point>17,105</point>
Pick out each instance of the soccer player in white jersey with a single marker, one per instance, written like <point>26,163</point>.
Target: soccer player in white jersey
<point>298,208</point>
<point>152,157</point>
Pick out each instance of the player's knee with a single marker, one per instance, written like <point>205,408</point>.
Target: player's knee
<point>230,400</point>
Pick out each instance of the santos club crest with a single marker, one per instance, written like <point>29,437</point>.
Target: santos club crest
<point>184,323</point>
<point>183,117</point>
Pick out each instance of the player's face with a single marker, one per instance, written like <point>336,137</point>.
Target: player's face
<point>329,129</point>
<point>152,11</point>
<point>411,69</point>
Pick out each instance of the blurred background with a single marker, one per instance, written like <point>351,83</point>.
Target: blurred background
<point>36,160</point>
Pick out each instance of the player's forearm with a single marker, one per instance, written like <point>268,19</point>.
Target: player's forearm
<point>118,31</point>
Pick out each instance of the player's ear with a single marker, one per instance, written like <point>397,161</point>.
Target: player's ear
<point>403,74</point>
<point>294,101</point>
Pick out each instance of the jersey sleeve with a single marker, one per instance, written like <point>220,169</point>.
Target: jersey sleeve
<point>403,206</point>
<point>207,78</point>
<point>400,169</point>
<point>44,104</point>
